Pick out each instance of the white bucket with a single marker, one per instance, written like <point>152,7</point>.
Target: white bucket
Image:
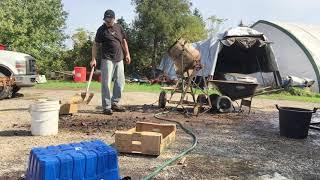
<point>44,117</point>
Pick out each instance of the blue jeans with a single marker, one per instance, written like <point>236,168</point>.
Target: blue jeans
<point>111,71</point>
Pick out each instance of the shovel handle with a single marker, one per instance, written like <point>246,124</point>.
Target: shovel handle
<point>90,78</point>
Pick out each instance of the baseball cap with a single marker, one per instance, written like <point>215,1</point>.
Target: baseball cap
<point>109,14</point>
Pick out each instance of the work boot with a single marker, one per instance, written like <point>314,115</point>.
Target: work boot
<point>107,111</point>
<point>118,108</point>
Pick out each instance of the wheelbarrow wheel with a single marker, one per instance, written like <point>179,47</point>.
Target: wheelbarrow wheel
<point>162,99</point>
<point>214,100</point>
<point>224,104</point>
<point>202,99</point>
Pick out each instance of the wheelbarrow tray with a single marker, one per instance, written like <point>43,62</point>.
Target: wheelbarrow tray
<point>235,89</point>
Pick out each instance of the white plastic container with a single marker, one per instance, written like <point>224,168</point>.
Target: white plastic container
<point>44,117</point>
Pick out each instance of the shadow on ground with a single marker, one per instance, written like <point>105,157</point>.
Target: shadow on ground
<point>16,175</point>
<point>9,133</point>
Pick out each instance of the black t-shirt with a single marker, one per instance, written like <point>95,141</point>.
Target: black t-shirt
<point>111,39</point>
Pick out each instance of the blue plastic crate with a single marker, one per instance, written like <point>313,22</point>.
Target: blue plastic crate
<point>88,160</point>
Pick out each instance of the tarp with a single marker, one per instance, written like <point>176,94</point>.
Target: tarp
<point>238,50</point>
<point>167,66</point>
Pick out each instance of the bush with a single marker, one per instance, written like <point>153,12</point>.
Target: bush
<point>301,92</point>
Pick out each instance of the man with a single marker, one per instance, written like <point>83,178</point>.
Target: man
<point>111,38</point>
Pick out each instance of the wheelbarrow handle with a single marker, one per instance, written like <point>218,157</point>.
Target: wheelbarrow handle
<point>277,106</point>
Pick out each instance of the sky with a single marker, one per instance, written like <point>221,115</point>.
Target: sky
<point>88,14</point>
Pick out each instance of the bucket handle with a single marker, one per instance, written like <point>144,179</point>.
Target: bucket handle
<point>315,110</point>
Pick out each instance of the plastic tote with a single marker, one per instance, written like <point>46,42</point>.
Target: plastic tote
<point>87,160</point>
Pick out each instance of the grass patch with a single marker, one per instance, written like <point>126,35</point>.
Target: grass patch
<point>96,86</point>
<point>291,98</point>
<point>293,94</point>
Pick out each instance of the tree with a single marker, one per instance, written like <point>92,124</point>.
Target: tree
<point>34,27</point>
<point>214,25</point>
<point>131,43</point>
<point>81,37</point>
<point>122,22</point>
<point>197,13</point>
<point>80,55</point>
<point>159,23</point>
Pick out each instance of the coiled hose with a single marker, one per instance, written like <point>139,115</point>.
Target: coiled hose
<point>168,162</point>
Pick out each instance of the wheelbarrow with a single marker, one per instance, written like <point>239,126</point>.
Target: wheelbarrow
<point>232,91</point>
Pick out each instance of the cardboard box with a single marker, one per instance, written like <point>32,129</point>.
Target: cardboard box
<point>145,138</point>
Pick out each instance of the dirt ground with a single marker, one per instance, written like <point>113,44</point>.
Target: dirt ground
<point>230,146</point>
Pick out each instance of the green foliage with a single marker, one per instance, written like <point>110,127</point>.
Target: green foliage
<point>81,37</point>
<point>294,94</point>
<point>300,92</point>
<point>160,23</point>
<point>34,27</point>
<point>139,57</point>
<point>214,25</point>
<point>80,55</point>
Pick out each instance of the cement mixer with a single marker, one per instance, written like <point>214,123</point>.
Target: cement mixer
<point>187,64</point>
<point>185,56</point>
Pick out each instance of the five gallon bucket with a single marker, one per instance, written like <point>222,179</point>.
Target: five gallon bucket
<point>44,117</point>
<point>80,74</point>
<point>294,122</point>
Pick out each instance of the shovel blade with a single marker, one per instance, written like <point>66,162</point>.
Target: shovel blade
<point>83,95</point>
<point>89,98</point>
<point>76,99</point>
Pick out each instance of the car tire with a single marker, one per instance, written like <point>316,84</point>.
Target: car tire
<point>5,92</point>
<point>15,89</point>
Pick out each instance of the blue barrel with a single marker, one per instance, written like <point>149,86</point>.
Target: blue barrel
<point>88,160</point>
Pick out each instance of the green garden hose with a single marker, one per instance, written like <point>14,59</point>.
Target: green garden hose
<point>165,164</point>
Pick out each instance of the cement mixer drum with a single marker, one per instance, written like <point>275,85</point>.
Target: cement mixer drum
<point>184,55</point>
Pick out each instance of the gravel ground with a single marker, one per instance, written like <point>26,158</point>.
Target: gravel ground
<point>231,146</point>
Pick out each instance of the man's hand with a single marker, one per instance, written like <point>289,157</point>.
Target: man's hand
<point>128,59</point>
<point>93,63</point>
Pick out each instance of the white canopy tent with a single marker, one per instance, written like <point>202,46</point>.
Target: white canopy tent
<point>296,47</point>
<point>217,54</point>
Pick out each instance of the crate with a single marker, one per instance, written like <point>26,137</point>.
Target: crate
<point>145,138</point>
<point>88,160</point>
<point>68,108</point>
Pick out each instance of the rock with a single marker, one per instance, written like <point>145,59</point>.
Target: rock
<point>84,124</point>
<point>182,161</point>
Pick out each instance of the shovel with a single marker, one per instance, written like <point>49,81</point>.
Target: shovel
<point>86,96</point>
<point>83,97</point>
